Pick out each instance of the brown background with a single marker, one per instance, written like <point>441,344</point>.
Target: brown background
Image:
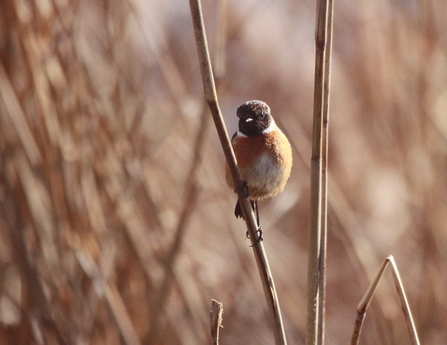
<point>116,224</point>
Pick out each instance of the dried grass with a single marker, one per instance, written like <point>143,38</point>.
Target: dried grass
<point>100,106</point>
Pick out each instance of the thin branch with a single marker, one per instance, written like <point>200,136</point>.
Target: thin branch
<point>324,158</point>
<point>364,303</point>
<point>211,98</point>
<point>366,300</point>
<point>318,218</point>
<point>216,321</point>
<point>409,322</point>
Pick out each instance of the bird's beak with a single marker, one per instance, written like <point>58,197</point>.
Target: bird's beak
<point>249,119</point>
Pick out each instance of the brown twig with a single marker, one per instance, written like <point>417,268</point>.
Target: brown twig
<point>366,300</point>
<point>212,100</point>
<point>409,322</point>
<point>216,321</point>
<point>318,219</point>
<point>364,303</point>
<point>324,158</point>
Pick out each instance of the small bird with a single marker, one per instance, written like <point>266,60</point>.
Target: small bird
<point>263,154</point>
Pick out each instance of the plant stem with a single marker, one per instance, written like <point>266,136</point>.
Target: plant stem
<point>211,98</point>
<point>318,219</point>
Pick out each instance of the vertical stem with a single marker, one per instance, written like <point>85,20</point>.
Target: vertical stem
<point>314,250</point>
<point>211,98</point>
<point>318,217</point>
<point>216,321</point>
<point>324,158</point>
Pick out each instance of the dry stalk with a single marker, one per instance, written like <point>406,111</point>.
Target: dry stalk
<point>212,100</point>
<point>216,321</point>
<point>366,300</point>
<point>318,218</point>
<point>323,238</point>
<point>364,303</point>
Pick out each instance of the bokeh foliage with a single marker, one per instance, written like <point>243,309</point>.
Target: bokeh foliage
<point>116,224</point>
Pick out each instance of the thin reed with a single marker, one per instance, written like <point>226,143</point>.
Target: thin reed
<point>211,98</point>
<point>318,232</point>
<point>369,295</point>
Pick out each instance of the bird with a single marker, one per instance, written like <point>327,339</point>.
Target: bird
<point>263,154</point>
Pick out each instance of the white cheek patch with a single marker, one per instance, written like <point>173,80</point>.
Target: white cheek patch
<point>270,128</point>
<point>240,134</point>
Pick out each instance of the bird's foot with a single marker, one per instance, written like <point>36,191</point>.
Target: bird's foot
<point>244,191</point>
<point>259,239</point>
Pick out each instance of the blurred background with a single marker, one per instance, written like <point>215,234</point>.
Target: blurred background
<point>116,224</point>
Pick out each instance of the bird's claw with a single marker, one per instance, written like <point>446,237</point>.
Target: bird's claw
<point>259,239</point>
<point>244,192</point>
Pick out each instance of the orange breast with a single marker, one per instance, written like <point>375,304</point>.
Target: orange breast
<point>265,162</point>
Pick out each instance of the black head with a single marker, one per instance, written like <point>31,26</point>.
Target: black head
<point>254,117</point>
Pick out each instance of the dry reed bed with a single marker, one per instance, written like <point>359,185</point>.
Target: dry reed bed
<point>116,225</point>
